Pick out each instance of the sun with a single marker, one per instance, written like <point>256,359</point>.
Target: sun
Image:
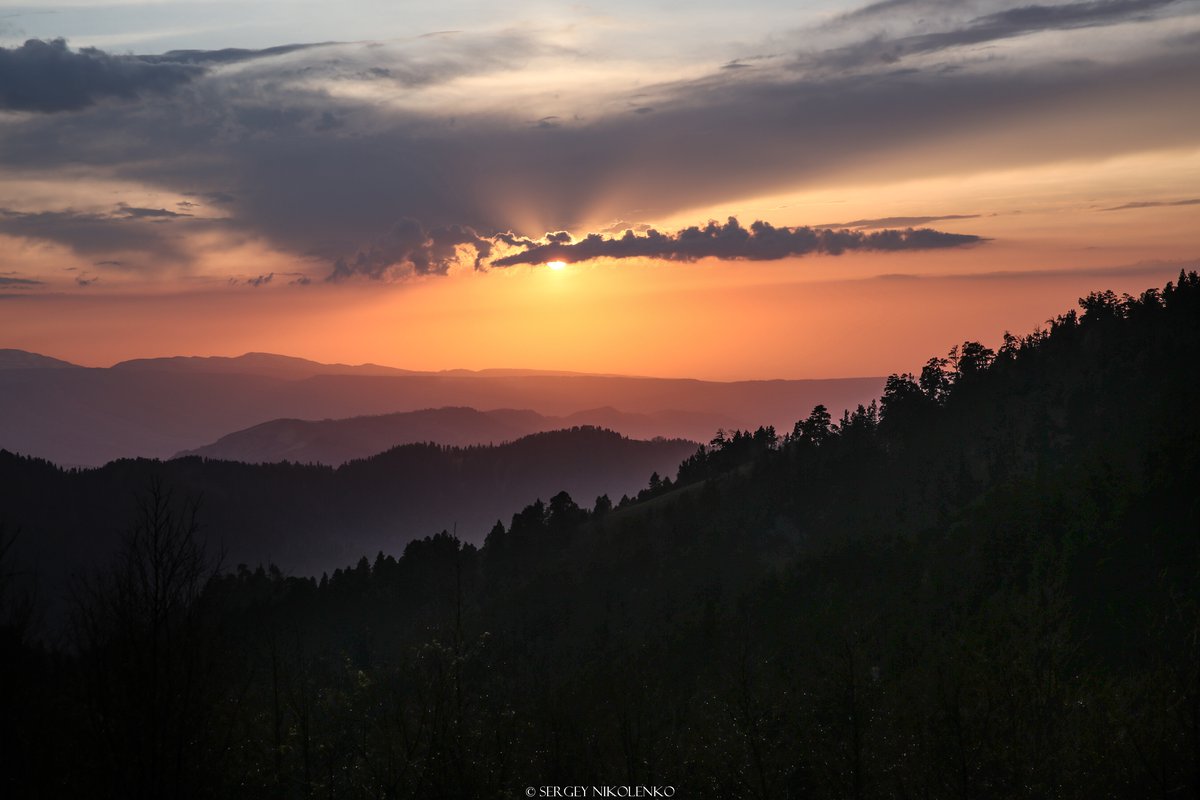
<point>556,265</point>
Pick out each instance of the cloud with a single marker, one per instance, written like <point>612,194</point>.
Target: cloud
<point>228,55</point>
<point>127,229</point>
<point>620,226</point>
<point>886,7</point>
<point>1086,12</point>
<point>894,222</point>
<point>317,152</point>
<point>1153,204</point>
<point>133,212</point>
<point>1026,19</point>
<point>328,193</point>
<point>410,247</point>
<point>972,30</point>
<point>216,198</point>
<point>18,283</point>
<point>258,281</point>
<point>48,76</point>
<point>760,242</point>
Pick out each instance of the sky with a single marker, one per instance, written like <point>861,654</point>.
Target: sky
<point>701,189</point>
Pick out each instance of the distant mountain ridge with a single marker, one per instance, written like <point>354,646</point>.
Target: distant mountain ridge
<point>293,368</point>
<point>156,408</point>
<point>23,359</point>
<point>335,442</point>
<point>255,363</point>
<point>269,364</point>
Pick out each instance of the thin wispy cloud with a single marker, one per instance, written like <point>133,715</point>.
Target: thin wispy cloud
<point>895,222</point>
<point>228,55</point>
<point>1153,204</point>
<point>126,229</point>
<point>259,281</point>
<point>12,282</point>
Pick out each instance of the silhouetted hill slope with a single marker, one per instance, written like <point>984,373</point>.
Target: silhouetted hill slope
<point>987,585</point>
<point>312,518</point>
<point>334,442</point>
<point>22,359</point>
<point>91,416</point>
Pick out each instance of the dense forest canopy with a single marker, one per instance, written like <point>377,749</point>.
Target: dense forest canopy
<point>987,584</point>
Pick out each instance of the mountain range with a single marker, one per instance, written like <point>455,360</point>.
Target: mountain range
<point>336,441</point>
<point>156,408</point>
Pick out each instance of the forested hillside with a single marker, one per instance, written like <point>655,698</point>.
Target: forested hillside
<point>987,585</point>
<point>311,518</point>
<point>159,407</point>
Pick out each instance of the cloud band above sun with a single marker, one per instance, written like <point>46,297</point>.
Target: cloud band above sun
<point>732,242</point>
<point>410,248</point>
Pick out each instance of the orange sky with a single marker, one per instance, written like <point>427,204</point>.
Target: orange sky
<point>814,316</point>
<point>206,218</point>
<point>788,329</point>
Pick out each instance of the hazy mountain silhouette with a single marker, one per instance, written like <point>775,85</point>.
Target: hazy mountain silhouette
<point>159,407</point>
<point>334,442</point>
<point>22,359</point>
<point>268,364</point>
<point>313,518</point>
<point>292,368</point>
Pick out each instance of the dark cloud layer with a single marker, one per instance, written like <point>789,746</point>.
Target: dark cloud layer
<point>1033,18</point>
<point>332,195</point>
<point>127,229</point>
<point>1004,24</point>
<point>48,76</point>
<point>258,281</point>
<point>325,174</point>
<point>410,246</point>
<point>760,242</point>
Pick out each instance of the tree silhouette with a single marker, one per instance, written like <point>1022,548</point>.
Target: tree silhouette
<point>145,654</point>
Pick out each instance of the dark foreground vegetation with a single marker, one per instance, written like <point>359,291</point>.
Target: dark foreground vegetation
<point>987,586</point>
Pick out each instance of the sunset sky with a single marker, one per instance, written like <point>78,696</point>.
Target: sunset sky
<point>389,181</point>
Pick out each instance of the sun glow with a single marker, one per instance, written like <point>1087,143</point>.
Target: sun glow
<point>556,265</point>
